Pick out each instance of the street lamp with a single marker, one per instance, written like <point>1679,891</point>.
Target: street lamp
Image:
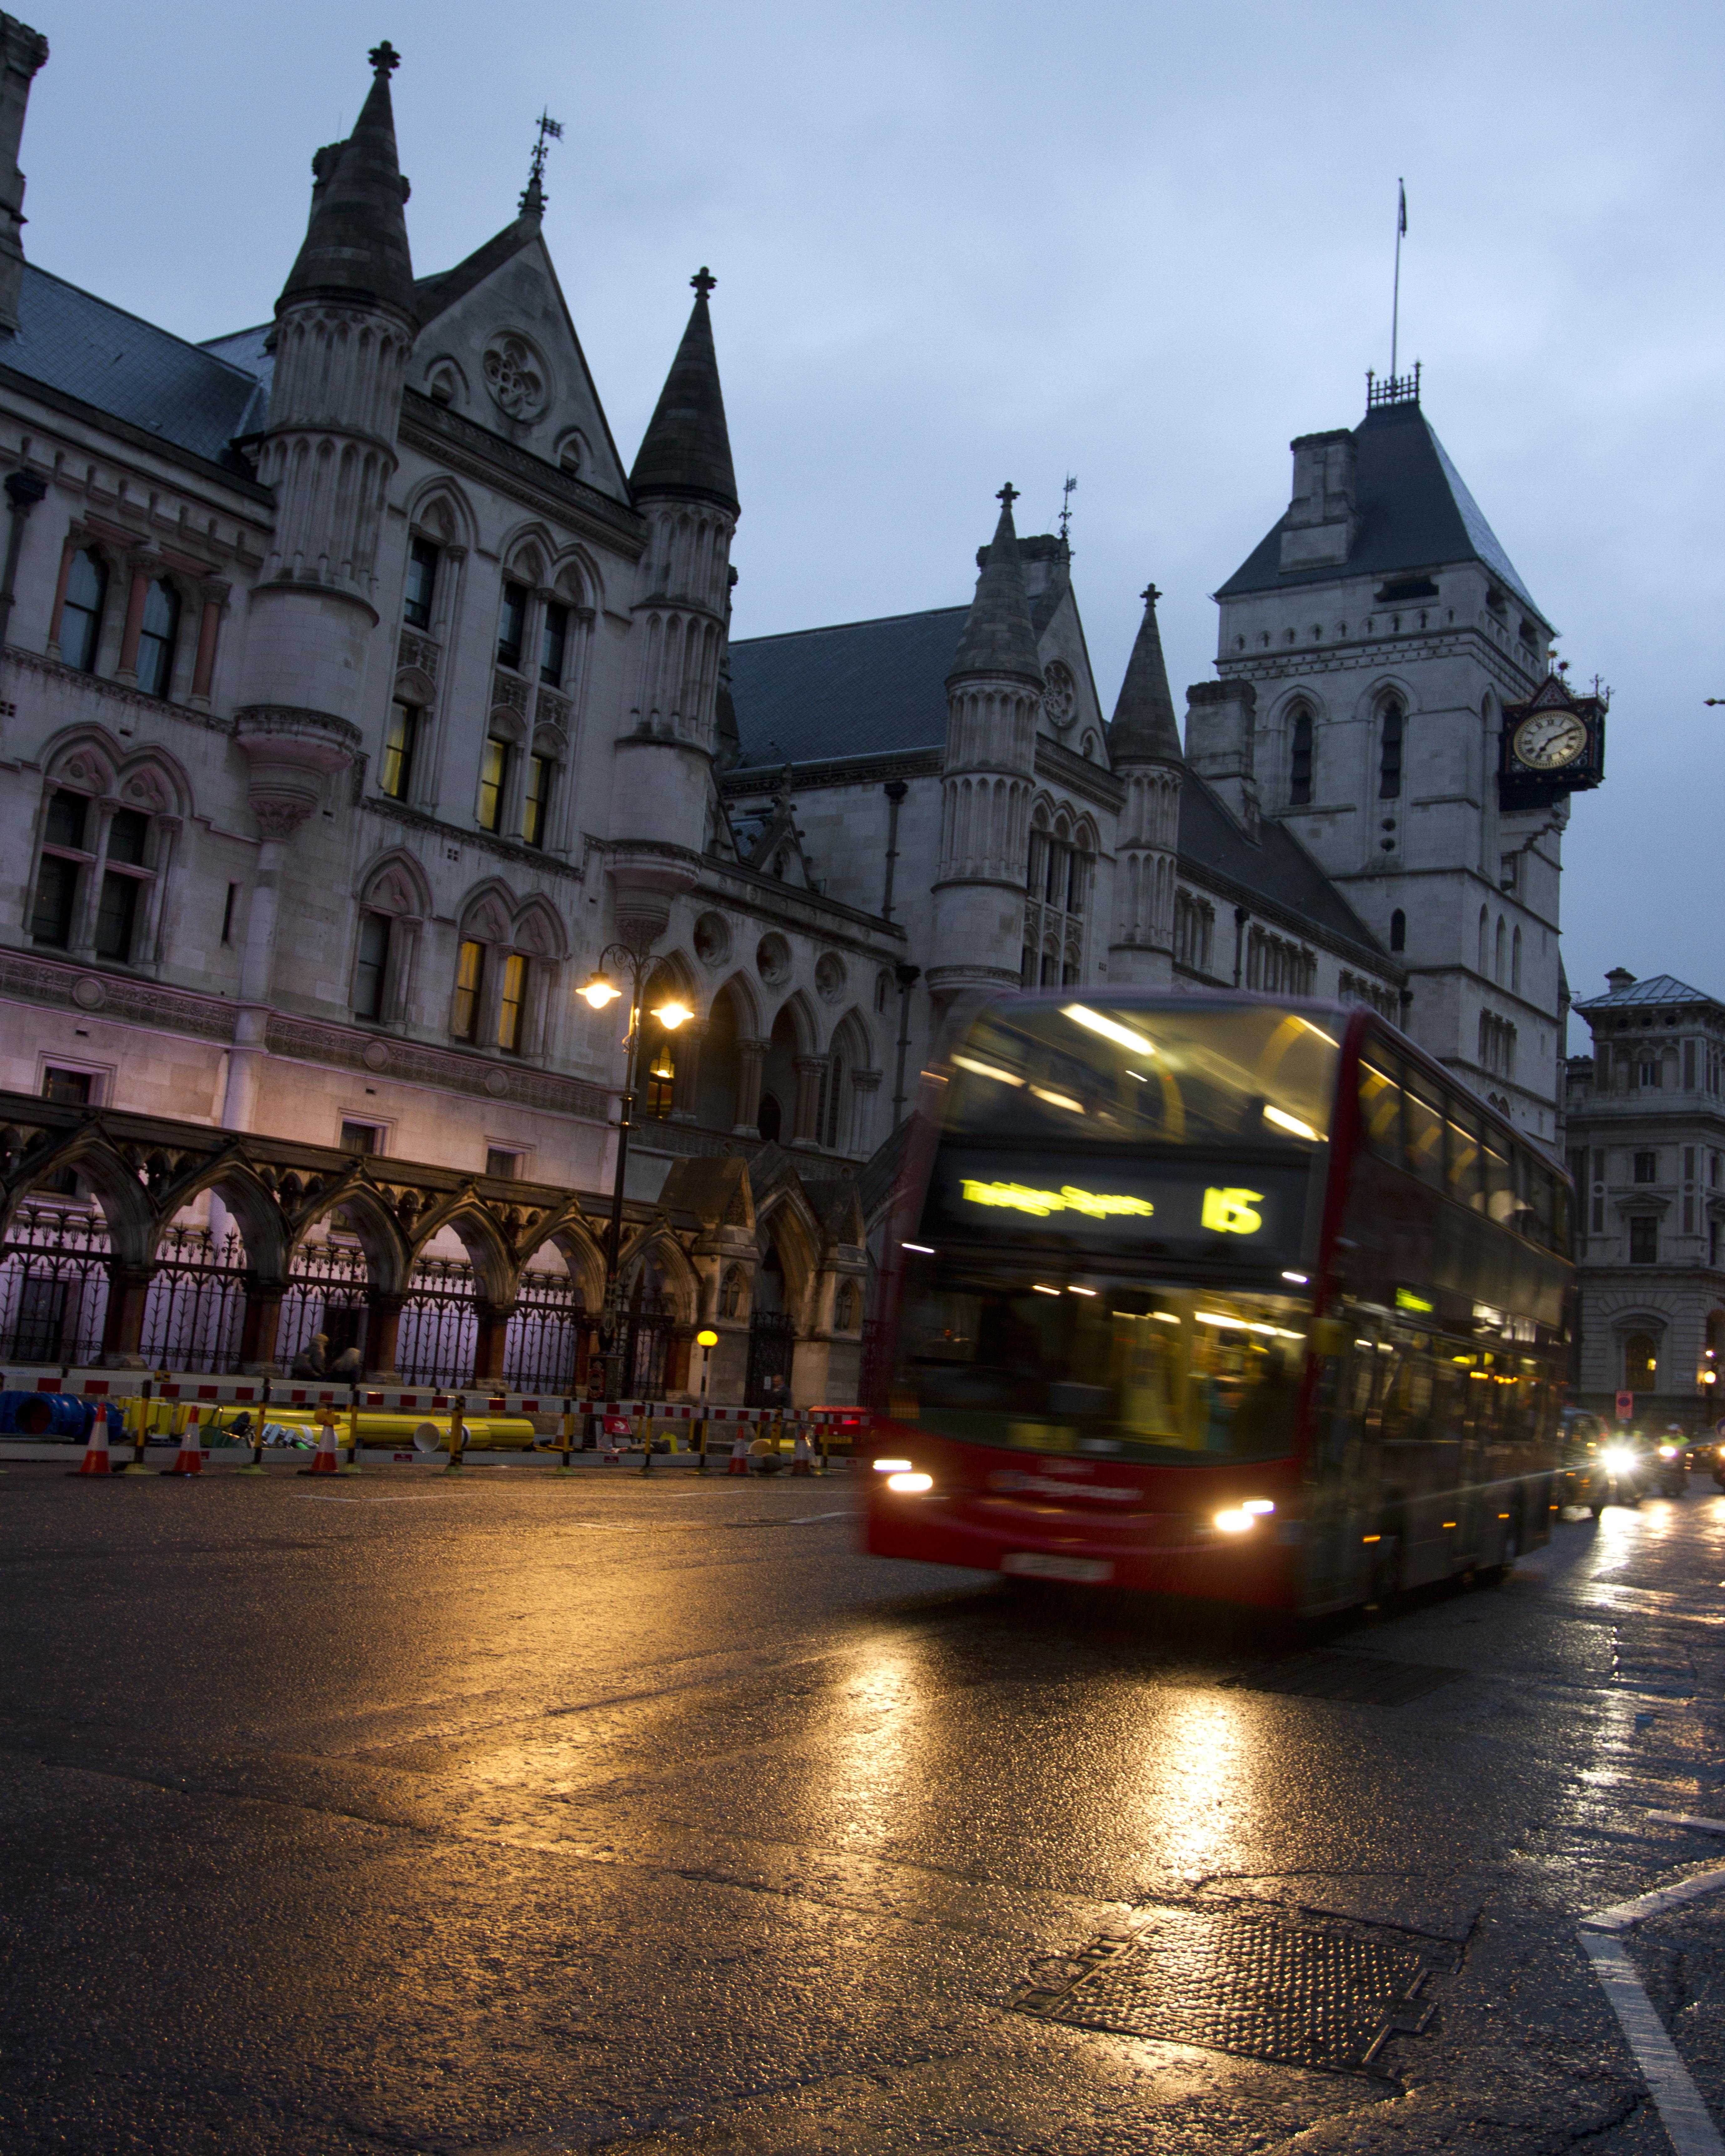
<point>601,991</point>
<point>706,1340</point>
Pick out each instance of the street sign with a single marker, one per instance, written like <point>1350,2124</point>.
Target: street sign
<point>1625,1407</point>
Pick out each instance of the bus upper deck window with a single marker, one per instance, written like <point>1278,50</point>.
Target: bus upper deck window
<point>1463,1165</point>
<point>1423,1132</point>
<point>1380,1107</point>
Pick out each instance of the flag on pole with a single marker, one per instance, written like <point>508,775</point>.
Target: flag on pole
<point>1402,210</point>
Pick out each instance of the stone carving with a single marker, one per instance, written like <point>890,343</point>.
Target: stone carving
<point>1060,694</point>
<point>89,993</point>
<point>508,693</point>
<point>773,959</point>
<point>417,1063</point>
<point>553,709</point>
<point>830,976</point>
<point>279,820</point>
<point>39,981</point>
<point>515,375</point>
<point>419,652</point>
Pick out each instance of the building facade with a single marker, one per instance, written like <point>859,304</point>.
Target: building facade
<point>359,695</point>
<point>1645,1133</point>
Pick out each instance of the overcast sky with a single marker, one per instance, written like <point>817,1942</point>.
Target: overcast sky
<point>958,243</point>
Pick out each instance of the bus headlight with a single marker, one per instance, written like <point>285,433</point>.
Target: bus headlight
<point>1235,1522</point>
<point>910,1485</point>
<point>892,1466</point>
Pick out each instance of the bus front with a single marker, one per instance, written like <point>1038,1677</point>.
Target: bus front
<point>1103,1290</point>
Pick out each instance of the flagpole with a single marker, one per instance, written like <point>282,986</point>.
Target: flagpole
<point>1395,304</point>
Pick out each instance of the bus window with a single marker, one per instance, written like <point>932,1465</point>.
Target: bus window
<point>1423,1132</point>
<point>1462,1165</point>
<point>1541,1205</point>
<point>1379,1104</point>
<point>1499,1186</point>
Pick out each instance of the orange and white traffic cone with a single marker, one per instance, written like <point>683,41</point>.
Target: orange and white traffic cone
<point>739,1456</point>
<point>802,1460</point>
<point>324,1460</point>
<point>95,1452</point>
<point>189,1458</point>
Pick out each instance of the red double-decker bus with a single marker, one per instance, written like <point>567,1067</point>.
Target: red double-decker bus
<point>1217,1296</point>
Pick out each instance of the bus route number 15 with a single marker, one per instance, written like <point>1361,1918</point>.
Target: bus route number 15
<point>1233,1212</point>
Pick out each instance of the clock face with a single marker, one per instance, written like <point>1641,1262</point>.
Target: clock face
<point>1548,740</point>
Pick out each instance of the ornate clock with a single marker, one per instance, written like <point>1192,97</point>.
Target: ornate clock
<point>1554,744</point>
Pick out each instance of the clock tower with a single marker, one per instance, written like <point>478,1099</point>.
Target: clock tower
<point>1413,728</point>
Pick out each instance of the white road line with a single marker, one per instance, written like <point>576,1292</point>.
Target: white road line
<point>1689,1818</point>
<point>318,1497</point>
<point>808,1519</point>
<point>1675,2098</point>
<point>1622,1916</point>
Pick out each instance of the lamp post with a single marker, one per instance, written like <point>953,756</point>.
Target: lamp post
<point>706,1340</point>
<point>601,990</point>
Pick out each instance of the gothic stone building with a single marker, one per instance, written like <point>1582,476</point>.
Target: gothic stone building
<point>360,694</point>
<point>1645,1132</point>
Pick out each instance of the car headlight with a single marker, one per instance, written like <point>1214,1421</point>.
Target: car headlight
<point>1235,1520</point>
<point>1668,1452</point>
<point>910,1485</point>
<point>1618,1458</point>
<point>892,1466</point>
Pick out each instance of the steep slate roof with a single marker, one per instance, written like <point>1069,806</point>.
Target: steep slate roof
<point>1658,988</point>
<point>1277,866</point>
<point>856,689</point>
<point>686,449</point>
<point>1414,509</point>
<point>998,636</point>
<point>72,341</point>
<point>1144,728</point>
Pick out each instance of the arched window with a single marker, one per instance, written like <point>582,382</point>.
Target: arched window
<point>1515,959</point>
<point>371,969</point>
<point>730,1293</point>
<point>401,742</point>
<point>493,783</point>
<point>157,637</point>
<point>536,800</point>
<point>1398,931</point>
<point>95,883</point>
<point>513,1004</point>
<point>661,1073</point>
<point>470,990</point>
<point>1641,1362</point>
<point>769,1120</point>
<point>1390,750</point>
<point>1300,759</point>
<point>844,1305</point>
<point>81,616</point>
<point>1503,950</point>
<point>1485,930</point>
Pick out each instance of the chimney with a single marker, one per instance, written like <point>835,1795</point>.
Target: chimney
<point>22,51</point>
<point>1318,531</point>
<point>1220,720</point>
<point>1620,977</point>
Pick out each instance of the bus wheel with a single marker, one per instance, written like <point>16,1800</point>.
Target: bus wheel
<point>1386,1580</point>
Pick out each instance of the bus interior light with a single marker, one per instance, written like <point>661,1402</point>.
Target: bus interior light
<point>910,1485</point>
<point>1089,1292</point>
<point>922,1249</point>
<point>1123,1036</point>
<point>1166,1316</point>
<point>1037,1288</point>
<point>1236,1520</point>
<point>1300,1280</point>
<point>987,1071</point>
<point>893,1466</point>
<point>1284,1121</point>
<point>1259,1506</point>
<point>1139,1075</point>
<point>1058,1100</point>
<point>1319,1031</point>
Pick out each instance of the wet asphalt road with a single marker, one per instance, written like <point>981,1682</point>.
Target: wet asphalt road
<point>525,1816</point>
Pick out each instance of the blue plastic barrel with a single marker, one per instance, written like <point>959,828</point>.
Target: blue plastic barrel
<point>46,1416</point>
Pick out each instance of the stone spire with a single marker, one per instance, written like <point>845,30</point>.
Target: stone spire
<point>998,638</point>
<point>686,449</point>
<point>1145,730</point>
<point>356,246</point>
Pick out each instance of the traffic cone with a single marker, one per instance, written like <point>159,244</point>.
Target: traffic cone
<point>324,1460</point>
<point>802,1462</point>
<point>739,1455</point>
<point>189,1458</point>
<point>95,1452</point>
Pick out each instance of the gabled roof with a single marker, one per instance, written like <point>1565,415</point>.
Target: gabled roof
<point>1657,988</point>
<point>856,690</point>
<point>1415,512</point>
<point>187,394</point>
<point>1276,866</point>
<point>432,295</point>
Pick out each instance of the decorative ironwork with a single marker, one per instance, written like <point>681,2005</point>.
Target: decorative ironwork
<point>327,1288</point>
<point>551,1336</point>
<point>53,1286</point>
<point>773,1341</point>
<point>195,1311</point>
<point>1393,388</point>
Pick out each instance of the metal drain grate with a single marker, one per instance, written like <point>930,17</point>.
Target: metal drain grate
<point>1364,1679</point>
<point>1299,1993</point>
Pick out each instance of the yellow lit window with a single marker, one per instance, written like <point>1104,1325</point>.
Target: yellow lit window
<point>512,1005</point>
<point>494,777</point>
<point>537,805</point>
<point>396,771</point>
<point>469,980</point>
<point>661,1079</point>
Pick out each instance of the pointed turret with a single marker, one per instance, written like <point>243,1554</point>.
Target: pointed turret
<point>1145,730</point>
<point>998,638</point>
<point>356,245</point>
<point>686,451</point>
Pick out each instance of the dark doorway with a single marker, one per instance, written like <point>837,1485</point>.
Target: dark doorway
<point>772,1341</point>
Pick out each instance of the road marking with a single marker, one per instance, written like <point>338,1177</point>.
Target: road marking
<point>1622,1916</point>
<point>319,1497</point>
<point>1689,1818</point>
<point>808,1519</point>
<point>1675,2098</point>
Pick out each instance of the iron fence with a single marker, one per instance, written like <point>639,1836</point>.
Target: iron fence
<point>53,1286</point>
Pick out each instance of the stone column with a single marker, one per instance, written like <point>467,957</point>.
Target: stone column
<point>751,1065</point>
<point>146,946</point>
<point>488,1346</point>
<point>383,1326</point>
<point>215,598</point>
<point>258,1328</point>
<point>864,1086</point>
<point>69,552</point>
<point>810,1070</point>
<point>686,1051</point>
<point>123,1324</point>
<point>84,918</point>
<point>145,568</point>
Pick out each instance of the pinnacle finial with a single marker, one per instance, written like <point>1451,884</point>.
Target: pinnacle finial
<point>703,280</point>
<point>532,202</point>
<point>1007,494</point>
<point>1149,595</point>
<point>384,58</point>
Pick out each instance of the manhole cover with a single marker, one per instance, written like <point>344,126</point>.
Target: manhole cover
<point>1364,1679</point>
<point>1300,1993</point>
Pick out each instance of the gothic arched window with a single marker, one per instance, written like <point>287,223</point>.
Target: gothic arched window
<point>1390,750</point>
<point>1398,931</point>
<point>81,616</point>
<point>1300,759</point>
<point>1641,1362</point>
